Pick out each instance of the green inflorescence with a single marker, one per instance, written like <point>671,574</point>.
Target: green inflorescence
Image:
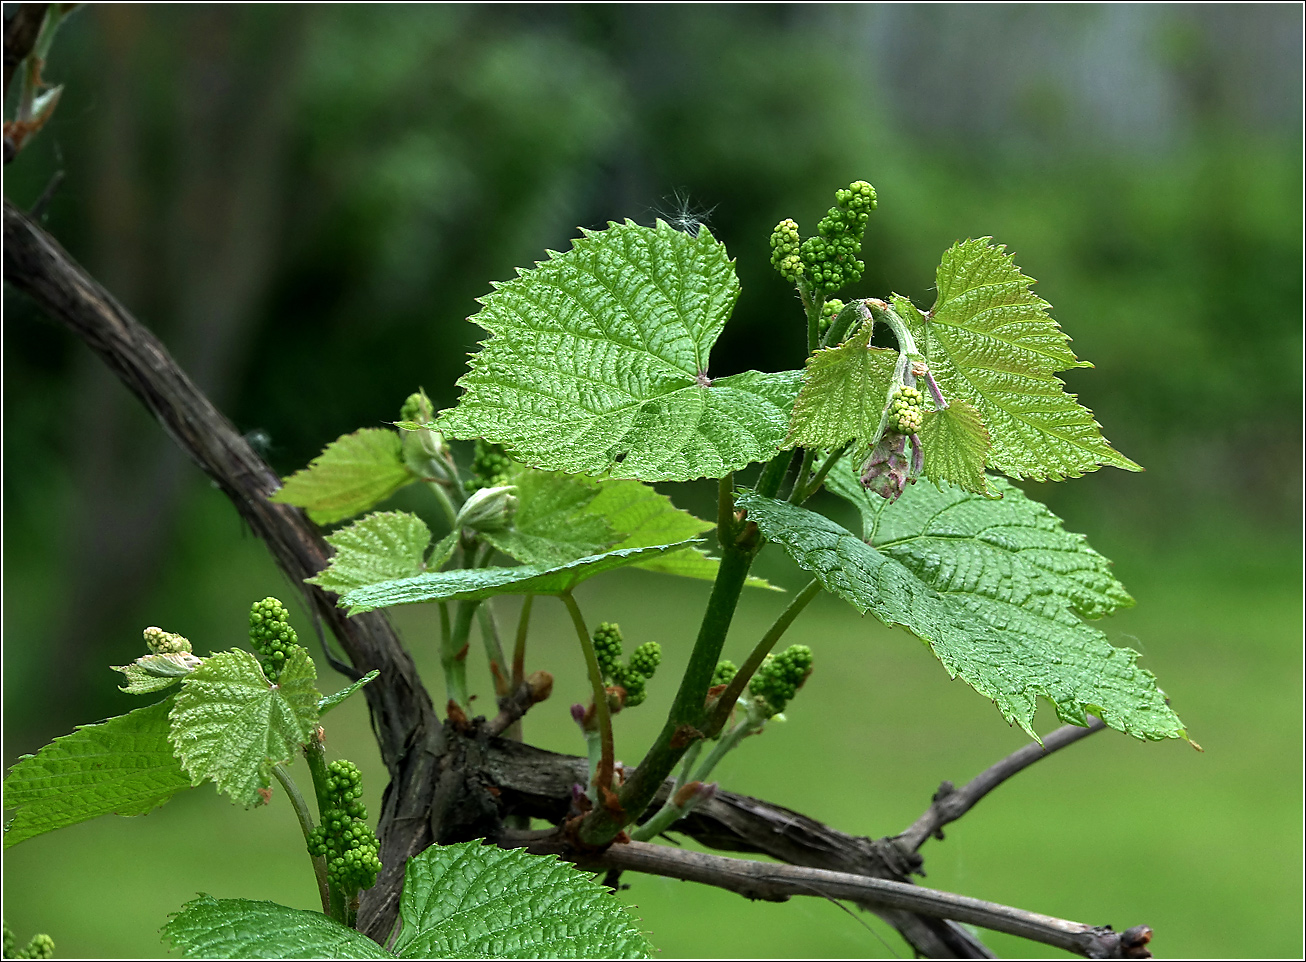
<point>607,646</point>
<point>786,254</point>
<point>271,636</point>
<point>633,675</point>
<point>162,642</point>
<point>38,947</point>
<point>780,676</point>
<point>905,411</point>
<point>831,259</point>
<point>490,467</point>
<point>724,673</point>
<point>416,408</point>
<point>344,839</point>
<point>829,310</point>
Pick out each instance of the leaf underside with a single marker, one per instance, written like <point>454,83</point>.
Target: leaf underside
<point>231,725</point>
<point>477,901</point>
<point>123,766</point>
<point>597,363</point>
<point>327,702</point>
<point>465,584</point>
<point>995,588</point>
<point>563,517</point>
<point>353,473</point>
<point>990,341</point>
<point>155,672</point>
<point>209,928</point>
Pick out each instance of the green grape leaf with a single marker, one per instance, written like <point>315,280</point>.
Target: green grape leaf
<point>464,584</point>
<point>209,928</point>
<point>442,552</point>
<point>381,547</point>
<point>474,901</point>
<point>230,724</point>
<point>641,517</point>
<point>354,472</point>
<point>990,341</point>
<point>844,392</point>
<point>992,587</point>
<point>955,443</point>
<point>122,766</point>
<point>597,363</point>
<point>151,673</point>
<point>552,525</point>
<point>327,702</point>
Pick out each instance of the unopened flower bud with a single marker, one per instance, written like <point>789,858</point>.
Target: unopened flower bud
<point>886,471</point>
<point>541,686</point>
<point>694,793</point>
<point>489,509</point>
<point>425,452</point>
<point>162,642</point>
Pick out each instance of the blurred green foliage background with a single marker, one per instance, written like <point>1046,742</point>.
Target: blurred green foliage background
<point>304,202</point>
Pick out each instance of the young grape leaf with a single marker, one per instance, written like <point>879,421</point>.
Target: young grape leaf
<point>552,524</point>
<point>123,766</point>
<point>991,587</point>
<point>955,444</point>
<point>151,673</point>
<point>209,928</point>
<point>466,584</point>
<point>471,901</point>
<point>844,392</point>
<point>353,473</point>
<point>990,341</point>
<point>575,511</point>
<point>597,363</point>
<point>642,517</point>
<point>230,724</point>
<point>381,547</point>
<point>327,702</point>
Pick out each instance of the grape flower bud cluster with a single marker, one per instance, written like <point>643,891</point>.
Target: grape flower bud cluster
<point>162,642</point>
<point>38,947</point>
<point>831,259</point>
<point>490,468</point>
<point>343,839</point>
<point>779,677</point>
<point>634,674</point>
<point>271,636</point>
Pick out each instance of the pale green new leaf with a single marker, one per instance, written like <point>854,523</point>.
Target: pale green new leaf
<point>151,673</point>
<point>955,444</point>
<point>474,901</point>
<point>992,587</point>
<point>552,524</point>
<point>990,341</point>
<point>844,392</point>
<point>353,473</point>
<point>597,363</point>
<point>122,766</point>
<point>381,547</point>
<point>327,702</point>
<point>641,517</point>
<point>231,725</point>
<point>467,584</point>
<point>209,928</point>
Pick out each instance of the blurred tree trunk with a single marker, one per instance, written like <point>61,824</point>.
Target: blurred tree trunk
<point>223,221</point>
